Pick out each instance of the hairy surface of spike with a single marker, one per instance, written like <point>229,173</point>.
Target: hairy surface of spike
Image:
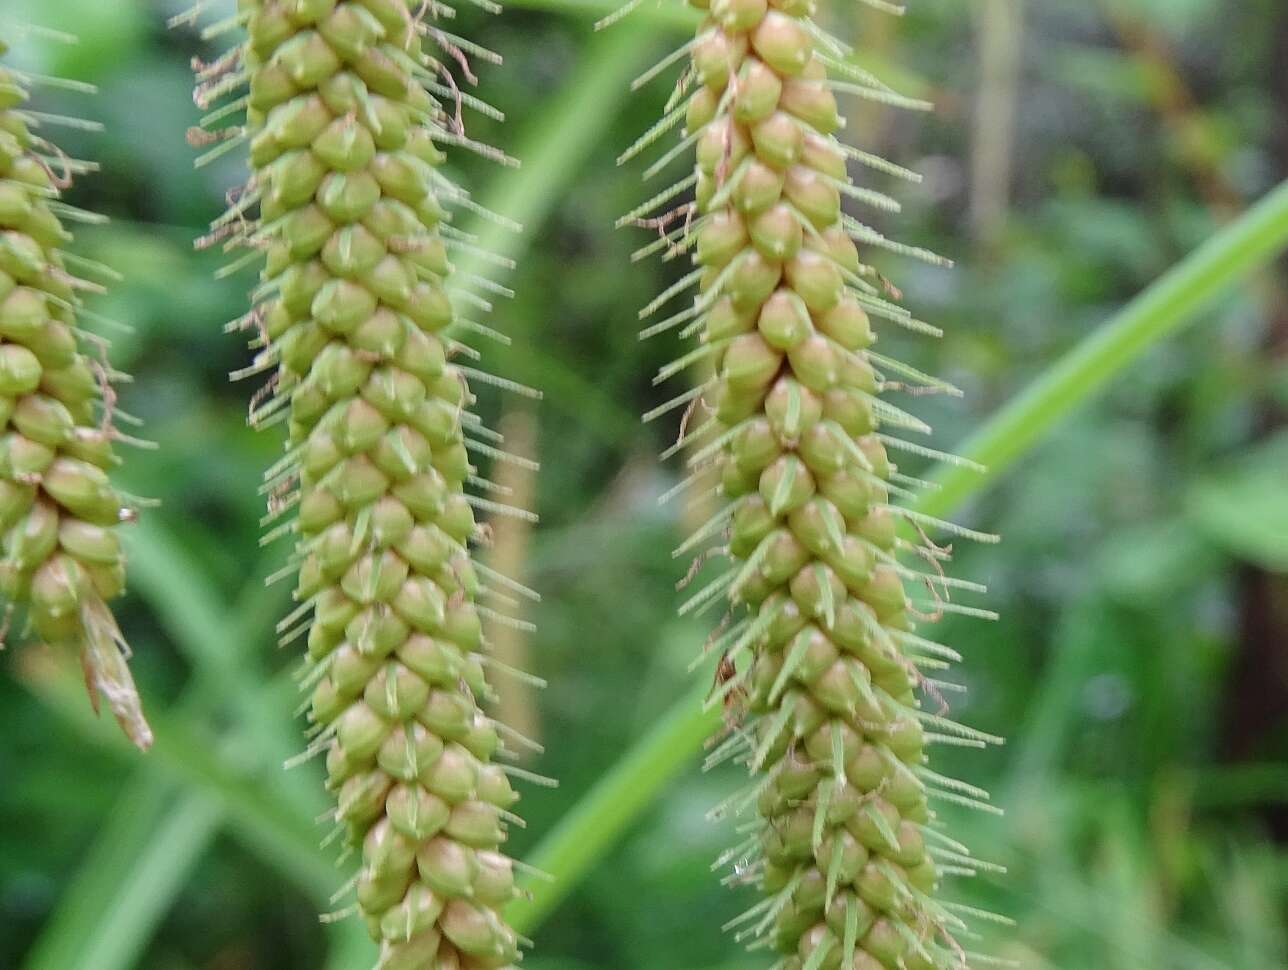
<point>820,670</point>
<point>58,510</point>
<point>342,128</point>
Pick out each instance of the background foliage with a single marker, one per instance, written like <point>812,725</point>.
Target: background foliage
<point>1139,667</point>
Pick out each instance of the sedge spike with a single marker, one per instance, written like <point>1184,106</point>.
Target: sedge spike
<point>62,559</point>
<point>819,672</point>
<point>345,109</point>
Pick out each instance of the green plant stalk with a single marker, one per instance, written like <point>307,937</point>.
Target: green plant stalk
<point>1172,302</point>
<point>58,509</point>
<point>344,117</point>
<point>820,663</point>
<point>585,834</point>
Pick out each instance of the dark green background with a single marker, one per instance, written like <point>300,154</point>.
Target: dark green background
<point>1139,667</point>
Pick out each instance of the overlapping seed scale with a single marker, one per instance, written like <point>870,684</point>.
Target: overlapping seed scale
<point>843,805</point>
<point>61,555</point>
<point>344,161</point>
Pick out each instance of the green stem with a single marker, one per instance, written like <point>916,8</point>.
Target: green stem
<point>1173,301</point>
<point>591,828</point>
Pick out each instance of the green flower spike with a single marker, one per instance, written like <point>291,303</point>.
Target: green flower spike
<point>345,113</point>
<point>820,665</point>
<point>62,557</point>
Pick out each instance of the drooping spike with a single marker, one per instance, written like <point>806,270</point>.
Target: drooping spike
<point>349,105</point>
<point>58,510</point>
<point>821,677</point>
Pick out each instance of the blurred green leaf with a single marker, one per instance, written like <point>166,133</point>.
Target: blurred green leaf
<point>268,823</point>
<point>668,12</point>
<point>103,33</point>
<point>552,147</point>
<point>1244,508</point>
<point>128,881</point>
<point>89,910</point>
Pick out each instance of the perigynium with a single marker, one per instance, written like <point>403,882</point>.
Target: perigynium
<point>819,659</point>
<point>62,557</point>
<point>347,210</point>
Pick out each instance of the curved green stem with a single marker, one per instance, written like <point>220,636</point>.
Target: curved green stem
<point>591,828</point>
<point>1175,300</point>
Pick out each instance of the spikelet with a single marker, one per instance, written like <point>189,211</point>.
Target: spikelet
<point>819,664</point>
<point>345,109</point>
<point>58,510</point>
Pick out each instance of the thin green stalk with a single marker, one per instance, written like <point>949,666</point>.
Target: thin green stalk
<point>89,908</point>
<point>591,828</point>
<point>1174,301</point>
<point>165,576</point>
